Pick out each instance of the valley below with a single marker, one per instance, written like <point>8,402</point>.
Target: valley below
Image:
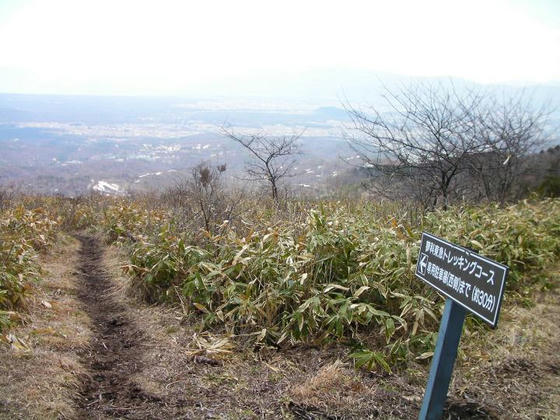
<point>74,145</point>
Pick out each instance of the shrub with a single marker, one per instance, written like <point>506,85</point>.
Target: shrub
<point>23,234</point>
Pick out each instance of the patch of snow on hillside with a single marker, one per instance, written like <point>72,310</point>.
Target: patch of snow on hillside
<point>106,187</point>
<point>71,162</point>
<point>149,173</point>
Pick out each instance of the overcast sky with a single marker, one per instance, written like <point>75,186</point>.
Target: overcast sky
<point>162,47</point>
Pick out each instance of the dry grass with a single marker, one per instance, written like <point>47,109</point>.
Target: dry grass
<point>512,372</point>
<point>40,381</point>
<point>332,386</point>
<point>239,385</point>
<point>516,368</point>
<point>336,390</point>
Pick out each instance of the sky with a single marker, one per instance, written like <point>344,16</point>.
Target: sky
<point>176,47</point>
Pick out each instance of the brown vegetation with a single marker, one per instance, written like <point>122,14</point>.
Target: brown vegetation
<point>269,316</point>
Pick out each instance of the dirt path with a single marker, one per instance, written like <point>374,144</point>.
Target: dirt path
<point>114,354</point>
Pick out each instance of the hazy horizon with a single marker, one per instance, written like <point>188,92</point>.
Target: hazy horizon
<point>151,84</point>
<point>218,48</point>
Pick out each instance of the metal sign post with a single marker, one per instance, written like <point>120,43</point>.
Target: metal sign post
<point>470,282</point>
<point>442,363</point>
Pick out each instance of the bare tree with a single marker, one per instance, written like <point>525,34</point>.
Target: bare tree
<point>272,157</point>
<point>510,129</point>
<point>421,142</point>
<point>435,144</point>
<point>202,197</point>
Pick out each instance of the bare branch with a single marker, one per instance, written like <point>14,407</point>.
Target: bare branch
<point>271,156</point>
<point>433,138</point>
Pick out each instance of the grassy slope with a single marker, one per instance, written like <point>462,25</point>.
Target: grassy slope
<point>511,372</point>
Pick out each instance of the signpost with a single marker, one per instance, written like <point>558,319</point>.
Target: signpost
<point>471,283</point>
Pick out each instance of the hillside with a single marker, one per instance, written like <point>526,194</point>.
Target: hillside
<point>57,144</point>
<point>71,145</point>
<point>310,311</point>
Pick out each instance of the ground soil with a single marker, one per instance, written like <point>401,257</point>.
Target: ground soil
<point>90,349</point>
<point>114,353</point>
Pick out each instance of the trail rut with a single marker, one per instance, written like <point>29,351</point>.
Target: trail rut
<point>114,354</point>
